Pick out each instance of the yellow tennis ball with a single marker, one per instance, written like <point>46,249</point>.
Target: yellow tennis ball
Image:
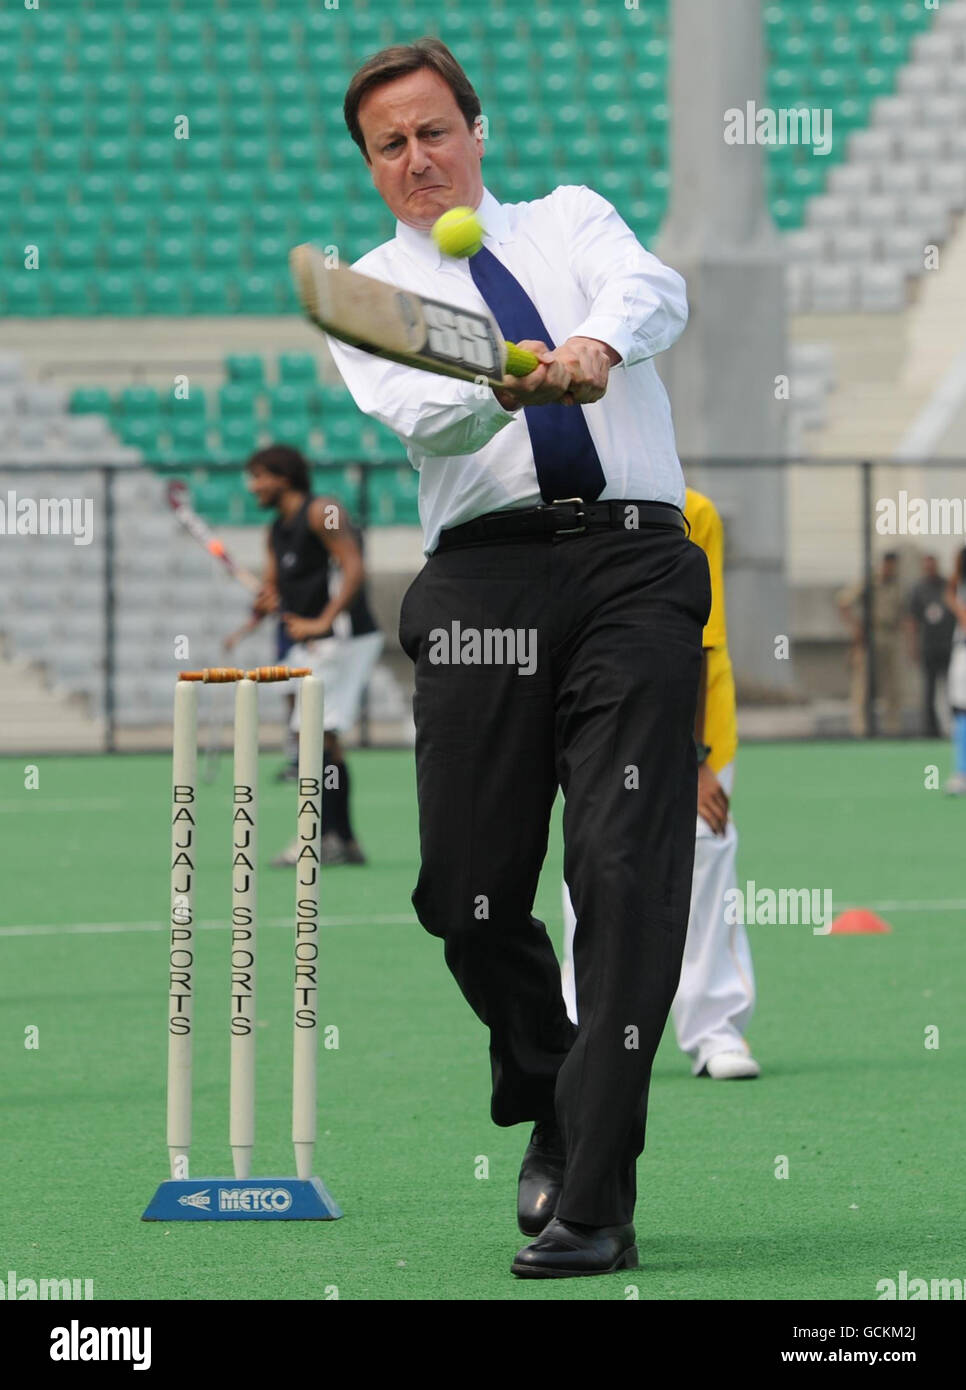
<point>458,232</point>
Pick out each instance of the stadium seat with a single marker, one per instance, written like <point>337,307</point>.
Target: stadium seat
<point>297,368</point>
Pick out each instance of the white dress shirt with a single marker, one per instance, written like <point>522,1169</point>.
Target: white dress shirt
<point>588,276</point>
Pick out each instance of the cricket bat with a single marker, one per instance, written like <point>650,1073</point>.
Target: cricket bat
<point>404,326</point>
<point>179,499</point>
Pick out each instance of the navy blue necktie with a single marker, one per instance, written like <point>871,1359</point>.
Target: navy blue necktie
<point>567,462</point>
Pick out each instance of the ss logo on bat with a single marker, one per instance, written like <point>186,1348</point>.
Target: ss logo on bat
<point>460,337</point>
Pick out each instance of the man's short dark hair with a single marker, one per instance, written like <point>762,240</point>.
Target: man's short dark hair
<point>285,462</point>
<point>398,61</point>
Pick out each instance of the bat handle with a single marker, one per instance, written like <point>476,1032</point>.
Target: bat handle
<point>520,362</point>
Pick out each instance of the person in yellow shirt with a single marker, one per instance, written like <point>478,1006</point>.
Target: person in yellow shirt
<point>716,993</point>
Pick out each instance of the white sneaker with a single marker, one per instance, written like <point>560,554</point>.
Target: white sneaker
<point>732,1066</point>
<point>956,785</point>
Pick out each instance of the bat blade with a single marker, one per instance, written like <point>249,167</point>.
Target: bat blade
<point>401,325</point>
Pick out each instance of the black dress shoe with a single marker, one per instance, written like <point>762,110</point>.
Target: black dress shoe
<point>541,1178</point>
<point>566,1252</point>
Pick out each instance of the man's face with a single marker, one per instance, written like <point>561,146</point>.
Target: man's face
<point>266,487</point>
<point>890,570</point>
<point>929,567</point>
<point>423,160</point>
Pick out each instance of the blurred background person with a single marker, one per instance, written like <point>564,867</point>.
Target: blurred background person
<point>886,637</point>
<point>716,992</point>
<point>956,601</point>
<point>930,625</point>
<point>330,625</point>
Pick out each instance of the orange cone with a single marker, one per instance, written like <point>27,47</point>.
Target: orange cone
<point>858,921</point>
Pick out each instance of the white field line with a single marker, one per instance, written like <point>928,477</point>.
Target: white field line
<point>31,802</point>
<point>398,920</point>
<point>114,928</point>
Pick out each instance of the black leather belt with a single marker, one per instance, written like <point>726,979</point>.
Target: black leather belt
<point>569,517</point>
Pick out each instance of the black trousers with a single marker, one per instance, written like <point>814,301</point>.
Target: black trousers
<point>934,667</point>
<point>608,715</point>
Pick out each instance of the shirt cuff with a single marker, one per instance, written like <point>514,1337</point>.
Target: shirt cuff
<point>487,407</point>
<point>607,329</point>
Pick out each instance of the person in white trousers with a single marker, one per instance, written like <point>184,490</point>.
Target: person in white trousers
<point>716,993</point>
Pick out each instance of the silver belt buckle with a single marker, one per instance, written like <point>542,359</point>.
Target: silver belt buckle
<point>570,530</point>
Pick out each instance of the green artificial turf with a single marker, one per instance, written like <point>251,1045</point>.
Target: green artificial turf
<point>870,1120</point>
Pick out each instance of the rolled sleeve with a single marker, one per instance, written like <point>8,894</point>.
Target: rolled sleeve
<point>436,415</point>
<point>639,305</point>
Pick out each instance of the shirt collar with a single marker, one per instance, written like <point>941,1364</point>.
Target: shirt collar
<point>419,243</point>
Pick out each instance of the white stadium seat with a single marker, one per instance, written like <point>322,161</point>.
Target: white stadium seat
<point>851,180</point>
<point>805,246</point>
<point>882,289</point>
<point>854,245</point>
<point>872,146</point>
<point>832,289</point>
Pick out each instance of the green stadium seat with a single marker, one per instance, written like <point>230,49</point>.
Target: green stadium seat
<point>135,401</point>
<point>96,188</point>
<point>876,81</point>
<point>910,17</point>
<point>157,88</point>
<point>186,186</point>
<point>185,26</point>
<point>269,219</point>
<point>301,155</point>
<point>201,87</point>
<point>212,292</point>
<point>144,189</point>
<point>186,56</point>
<point>203,156</point>
<point>222,252</point>
<point>189,435</point>
<point>238,437</point>
<point>269,251</point>
<point>139,434</point>
<point>77,252</point>
<point>109,156</point>
<point>124,253</point>
<point>164,293</point>
<point>297,368</point>
<point>288,400</point>
<point>19,155</point>
<point>272,27</point>
<point>233,186</point>
<point>90,400</point>
<point>245,366</point>
<point>68,292</point>
<point>248,122</point>
<point>335,400</point>
<point>36,222</point>
<point>174,219</point>
<point>173,253</point>
<point>93,58</point>
<point>238,399</point>
<point>887,50</point>
<point>174,404</point>
<point>117,293</point>
<point>111,121</point>
<point>48,59</point>
<point>221,219</point>
<point>343,436</point>
<point>788,213</point>
<point>278,56</point>
<point>293,430</point>
<point>23,293</point>
<point>829,84</point>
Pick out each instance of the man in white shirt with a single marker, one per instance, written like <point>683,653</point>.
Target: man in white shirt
<point>556,636</point>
